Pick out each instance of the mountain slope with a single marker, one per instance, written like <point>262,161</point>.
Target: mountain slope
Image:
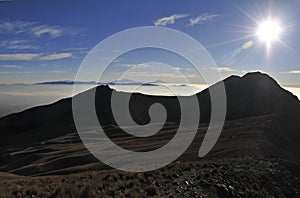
<point>251,95</point>
<point>257,154</point>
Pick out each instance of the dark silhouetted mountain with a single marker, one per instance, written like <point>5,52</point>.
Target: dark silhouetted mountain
<point>262,121</point>
<point>254,94</point>
<point>257,94</point>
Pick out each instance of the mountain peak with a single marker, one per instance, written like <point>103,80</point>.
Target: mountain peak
<point>257,93</point>
<point>257,75</point>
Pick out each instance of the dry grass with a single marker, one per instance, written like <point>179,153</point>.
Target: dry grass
<point>230,178</point>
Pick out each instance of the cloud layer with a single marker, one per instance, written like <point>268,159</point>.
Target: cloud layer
<point>34,56</point>
<point>294,72</point>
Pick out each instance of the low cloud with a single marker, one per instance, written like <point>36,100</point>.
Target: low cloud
<point>202,19</point>
<point>34,56</point>
<point>169,20</point>
<point>293,72</point>
<point>12,66</point>
<point>225,69</point>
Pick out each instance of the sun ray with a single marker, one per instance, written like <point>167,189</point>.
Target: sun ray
<point>287,46</point>
<point>245,13</point>
<point>230,41</point>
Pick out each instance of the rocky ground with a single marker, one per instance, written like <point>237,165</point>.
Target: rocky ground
<point>240,177</point>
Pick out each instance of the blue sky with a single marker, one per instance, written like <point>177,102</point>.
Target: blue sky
<point>47,40</point>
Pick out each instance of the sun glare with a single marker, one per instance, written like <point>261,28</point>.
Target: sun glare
<point>268,31</point>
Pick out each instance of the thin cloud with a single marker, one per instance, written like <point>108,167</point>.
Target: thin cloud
<point>15,27</point>
<point>56,56</point>
<point>22,47</point>
<point>5,72</point>
<point>293,72</point>
<point>291,85</point>
<point>12,66</point>
<point>17,44</point>
<point>32,28</point>
<point>56,71</point>
<point>178,68</point>
<point>35,56</point>
<point>18,56</point>
<point>202,19</point>
<point>53,31</point>
<point>139,65</point>
<point>169,20</point>
<point>225,69</point>
<point>18,72</point>
<point>149,74</point>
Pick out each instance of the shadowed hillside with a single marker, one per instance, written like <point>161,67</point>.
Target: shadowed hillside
<point>259,142</point>
<point>251,95</point>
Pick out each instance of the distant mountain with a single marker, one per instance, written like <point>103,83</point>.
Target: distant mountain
<point>116,82</point>
<point>128,82</point>
<point>158,81</point>
<point>67,82</point>
<point>123,81</point>
<point>262,119</point>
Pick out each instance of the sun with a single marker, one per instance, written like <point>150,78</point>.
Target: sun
<point>268,31</point>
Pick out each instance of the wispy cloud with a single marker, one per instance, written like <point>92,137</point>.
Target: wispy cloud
<point>15,27</point>
<point>139,65</point>
<point>149,74</point>
<point>18,72</point>
<point>17,44</point>
<point>55,56</point>
<point>34,56</point>
<point>31,28</point>
<point>5,72</point>
<point>53,31</point>
<point>18,56</point>
<point>225,69</point>
<point>293,72</point>
<point>169,20</point>
<point>12,66</point>
<point>202,19</point>
<point>57,71</point>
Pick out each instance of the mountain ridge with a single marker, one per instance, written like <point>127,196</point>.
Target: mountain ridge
<point>251,95</point>
<point>43,140</point>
